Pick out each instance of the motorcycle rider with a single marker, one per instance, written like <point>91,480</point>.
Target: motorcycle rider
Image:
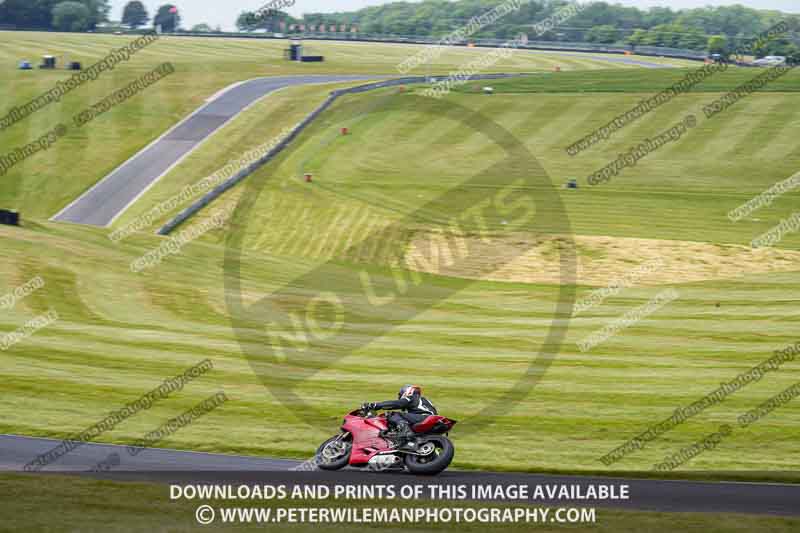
<point>415,408</point>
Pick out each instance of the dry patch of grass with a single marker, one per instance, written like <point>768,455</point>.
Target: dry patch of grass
<point>528,258</point>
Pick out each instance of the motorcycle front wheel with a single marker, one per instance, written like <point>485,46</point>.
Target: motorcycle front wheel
<point>334,453</point>
<point>435,461</point>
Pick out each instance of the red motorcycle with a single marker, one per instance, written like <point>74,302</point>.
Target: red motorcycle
<point>367,442</point>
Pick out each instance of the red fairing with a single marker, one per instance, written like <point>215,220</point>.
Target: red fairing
<point>367,441</point>
<point>434,423</point>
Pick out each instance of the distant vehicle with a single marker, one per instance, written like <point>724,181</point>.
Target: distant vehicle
<point>770,61</point>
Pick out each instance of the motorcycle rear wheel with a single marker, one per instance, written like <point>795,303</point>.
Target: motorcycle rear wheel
<point>334,457</point>
<point>436,461</point>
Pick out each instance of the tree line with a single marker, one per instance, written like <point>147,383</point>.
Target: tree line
<point>74,15</point>
<point>81,15</point>
<point>722,28</point>
<point>714,29</point>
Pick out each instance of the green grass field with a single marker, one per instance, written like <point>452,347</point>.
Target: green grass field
<point>122,334</point>
<point>42,186</point>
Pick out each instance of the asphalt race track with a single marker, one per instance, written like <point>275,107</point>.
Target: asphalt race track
<point>621,59</point>
<point>109,198</point>
<point>161,465</point>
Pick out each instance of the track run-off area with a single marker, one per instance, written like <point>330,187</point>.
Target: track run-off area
<point>164,465</point>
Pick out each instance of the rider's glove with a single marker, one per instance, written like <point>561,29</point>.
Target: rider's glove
<point>371,406</point>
